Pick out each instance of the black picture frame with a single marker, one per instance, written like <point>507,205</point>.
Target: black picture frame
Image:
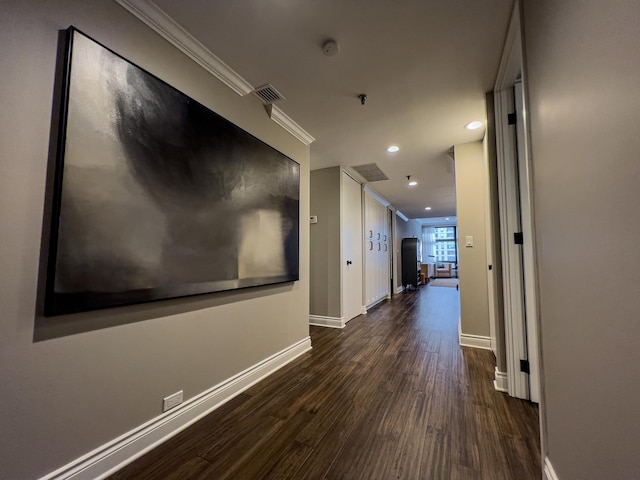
<point>155,196</point>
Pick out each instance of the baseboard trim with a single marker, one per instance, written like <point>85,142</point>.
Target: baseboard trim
<point>400,289</point>
<point>475,341</point>
<point>376,302</point>
<point>114,455</point>
<point>549,472</point>
<point>501,382</point>
<point>331,322</point>
<point>353,318</point>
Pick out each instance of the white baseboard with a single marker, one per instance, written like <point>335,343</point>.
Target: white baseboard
<point>400,289</point>
<point>475,341</point>
<point>114,455</point>
<point>347,321</point>
<point>501,382</point>
<point>331,322</point>
<point>376,302</point>
<point>549,472</point>
<point>363,310</point>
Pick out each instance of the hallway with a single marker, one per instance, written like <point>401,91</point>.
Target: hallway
<point>390,396</point>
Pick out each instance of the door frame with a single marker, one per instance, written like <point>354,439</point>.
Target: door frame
<point>391,217</point>
<point>359,254</point>
<point>515,186</point>
<point>528,248</point>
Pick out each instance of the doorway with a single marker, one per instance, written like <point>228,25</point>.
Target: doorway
<point>516,222</point>
<point>351,251</point>
<point>392,248</point>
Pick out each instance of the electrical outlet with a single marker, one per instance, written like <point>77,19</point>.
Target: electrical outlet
<point>171,401</point>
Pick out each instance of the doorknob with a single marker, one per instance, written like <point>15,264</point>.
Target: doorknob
<point>349,262</point>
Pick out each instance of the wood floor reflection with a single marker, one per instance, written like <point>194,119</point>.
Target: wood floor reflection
<point>392,396</point>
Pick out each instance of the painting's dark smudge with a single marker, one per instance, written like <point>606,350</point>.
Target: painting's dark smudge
<point>160,194</point>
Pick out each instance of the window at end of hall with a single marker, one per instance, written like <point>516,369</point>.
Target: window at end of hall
<point>445,245</point>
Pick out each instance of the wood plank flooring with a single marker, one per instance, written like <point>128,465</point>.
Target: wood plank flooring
<point>392,396</point>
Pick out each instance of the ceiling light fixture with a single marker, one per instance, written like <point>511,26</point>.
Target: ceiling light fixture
<point>473,125</point>
<point>412,183</point>
<point>427,208</point>
<point>393,149</point>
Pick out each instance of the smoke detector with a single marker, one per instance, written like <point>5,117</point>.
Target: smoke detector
<point>330,48</point>
<point>268,94</point>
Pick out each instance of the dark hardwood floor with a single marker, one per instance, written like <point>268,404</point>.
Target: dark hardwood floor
<point>392,396</point>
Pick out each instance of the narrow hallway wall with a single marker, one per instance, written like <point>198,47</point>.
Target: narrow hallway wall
<point>583,77</point>
<point>472,269</point>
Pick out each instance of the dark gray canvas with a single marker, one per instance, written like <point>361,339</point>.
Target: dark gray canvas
<point>157,196</point>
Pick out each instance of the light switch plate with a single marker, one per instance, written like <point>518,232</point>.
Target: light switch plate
<point>469,240</point>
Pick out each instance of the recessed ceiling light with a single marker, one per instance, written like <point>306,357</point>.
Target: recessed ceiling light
<point>427,208</point>
<point>473,125</point>
<point>413,183</point>
<point>447,218</point>
<point>393,149</point>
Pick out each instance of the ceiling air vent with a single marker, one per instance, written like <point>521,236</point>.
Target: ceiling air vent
<point>370,172</point>
<point>267,94</point>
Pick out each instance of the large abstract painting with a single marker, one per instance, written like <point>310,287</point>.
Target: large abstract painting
<point>156,196</point>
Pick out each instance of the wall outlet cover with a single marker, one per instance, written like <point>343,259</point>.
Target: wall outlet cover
<point>171,401</point>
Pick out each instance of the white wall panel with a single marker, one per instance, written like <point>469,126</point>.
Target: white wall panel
<point>376,247</point>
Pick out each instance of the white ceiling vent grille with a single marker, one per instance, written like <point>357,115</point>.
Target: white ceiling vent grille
<point>268,94</point>
<point>370,172</point>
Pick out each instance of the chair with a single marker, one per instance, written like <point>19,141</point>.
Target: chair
<point>443,270</point>
<point>429,270</point>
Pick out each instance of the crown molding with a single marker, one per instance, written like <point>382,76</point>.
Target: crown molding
<point>379,198</point>
<point>289,125</point>
<point>159,21</point>
<point>402,215</point>
<point>169,29</point>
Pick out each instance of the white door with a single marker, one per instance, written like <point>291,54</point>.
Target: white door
<point>528,261</point>
<point>516,225</point>
<point>389,247</point>
<point>351,251</point>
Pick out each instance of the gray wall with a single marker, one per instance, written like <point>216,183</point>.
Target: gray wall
<point>325,299</point>
<point>69,384</point>
<point>472,266</point>
<point>583,76</point>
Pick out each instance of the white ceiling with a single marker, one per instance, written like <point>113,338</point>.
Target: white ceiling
<point>439,221</point>
<point>424,65</point>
